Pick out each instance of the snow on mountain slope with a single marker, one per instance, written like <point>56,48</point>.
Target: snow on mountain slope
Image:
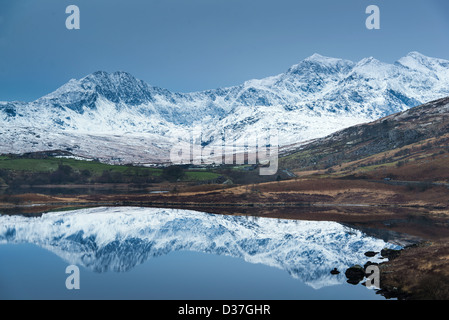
<point>118,118</point>
<point>118,239</point>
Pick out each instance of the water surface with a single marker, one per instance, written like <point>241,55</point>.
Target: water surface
<point>148,253</point>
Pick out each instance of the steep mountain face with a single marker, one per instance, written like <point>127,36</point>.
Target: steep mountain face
<point>430,120</point>
<point>118,239</point>
<point>116,117</point>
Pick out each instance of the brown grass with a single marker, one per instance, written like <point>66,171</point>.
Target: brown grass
<point>421,272</point>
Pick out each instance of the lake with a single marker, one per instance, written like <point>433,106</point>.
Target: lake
<point>170,254</point>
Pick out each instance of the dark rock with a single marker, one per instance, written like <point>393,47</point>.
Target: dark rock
<point>335,271</point>
<point>355,274</point>
<point>390,253</point>
<point>371,254</point>
<point>369,263</point>
<point>393,293</point>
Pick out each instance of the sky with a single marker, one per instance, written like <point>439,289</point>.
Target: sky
<point>194,45</point>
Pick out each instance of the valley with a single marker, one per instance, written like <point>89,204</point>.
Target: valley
<point>104,141</point>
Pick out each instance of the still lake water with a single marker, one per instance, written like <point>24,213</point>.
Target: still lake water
<point>148,253</point>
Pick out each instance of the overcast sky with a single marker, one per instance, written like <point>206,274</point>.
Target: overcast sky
<point>191,45</point>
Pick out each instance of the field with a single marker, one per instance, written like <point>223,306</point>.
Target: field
<point>16,171</point>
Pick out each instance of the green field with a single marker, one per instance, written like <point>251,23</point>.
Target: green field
<point>94,169</point>
<point>200,176</point>
<point>52,164</point>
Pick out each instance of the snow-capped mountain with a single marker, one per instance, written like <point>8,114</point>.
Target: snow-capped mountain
<point>118,239</point>
<point>115,117</point>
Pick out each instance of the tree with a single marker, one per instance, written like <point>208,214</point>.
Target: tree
<point>62,175</point>
<point>173,173</point>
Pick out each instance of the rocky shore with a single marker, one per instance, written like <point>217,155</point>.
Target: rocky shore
<point>417,272</point>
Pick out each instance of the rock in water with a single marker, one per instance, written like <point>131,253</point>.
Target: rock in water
<point>355,274</point>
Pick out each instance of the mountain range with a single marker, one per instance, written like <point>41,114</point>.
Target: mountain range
<point>117,118</point>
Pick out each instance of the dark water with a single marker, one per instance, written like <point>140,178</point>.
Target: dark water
<point>147,253</point>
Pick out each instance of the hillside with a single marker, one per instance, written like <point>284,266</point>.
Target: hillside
<point>410,145</point>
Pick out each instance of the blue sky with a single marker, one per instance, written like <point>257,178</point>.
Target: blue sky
<point>190,45</point>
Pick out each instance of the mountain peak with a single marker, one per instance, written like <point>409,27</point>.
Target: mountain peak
<point>369,60</point>
<point>99,73</point>
<point>318,61</point>
<point>418,58</point>
<point>117,77</point>
<point>116,87</point>
<point>416,54</point>
<point>318,58</point>
<point>419,62</point>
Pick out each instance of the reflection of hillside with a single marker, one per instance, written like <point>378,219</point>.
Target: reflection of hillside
<point>118,239</point>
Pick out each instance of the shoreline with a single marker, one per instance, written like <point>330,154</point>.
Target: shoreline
<point>418,220</point>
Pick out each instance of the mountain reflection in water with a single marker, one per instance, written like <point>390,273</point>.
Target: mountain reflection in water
<point>118,239</point>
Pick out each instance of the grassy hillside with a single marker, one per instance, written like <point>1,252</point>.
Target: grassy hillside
<point>426,161</point>
<point>412,145</point>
